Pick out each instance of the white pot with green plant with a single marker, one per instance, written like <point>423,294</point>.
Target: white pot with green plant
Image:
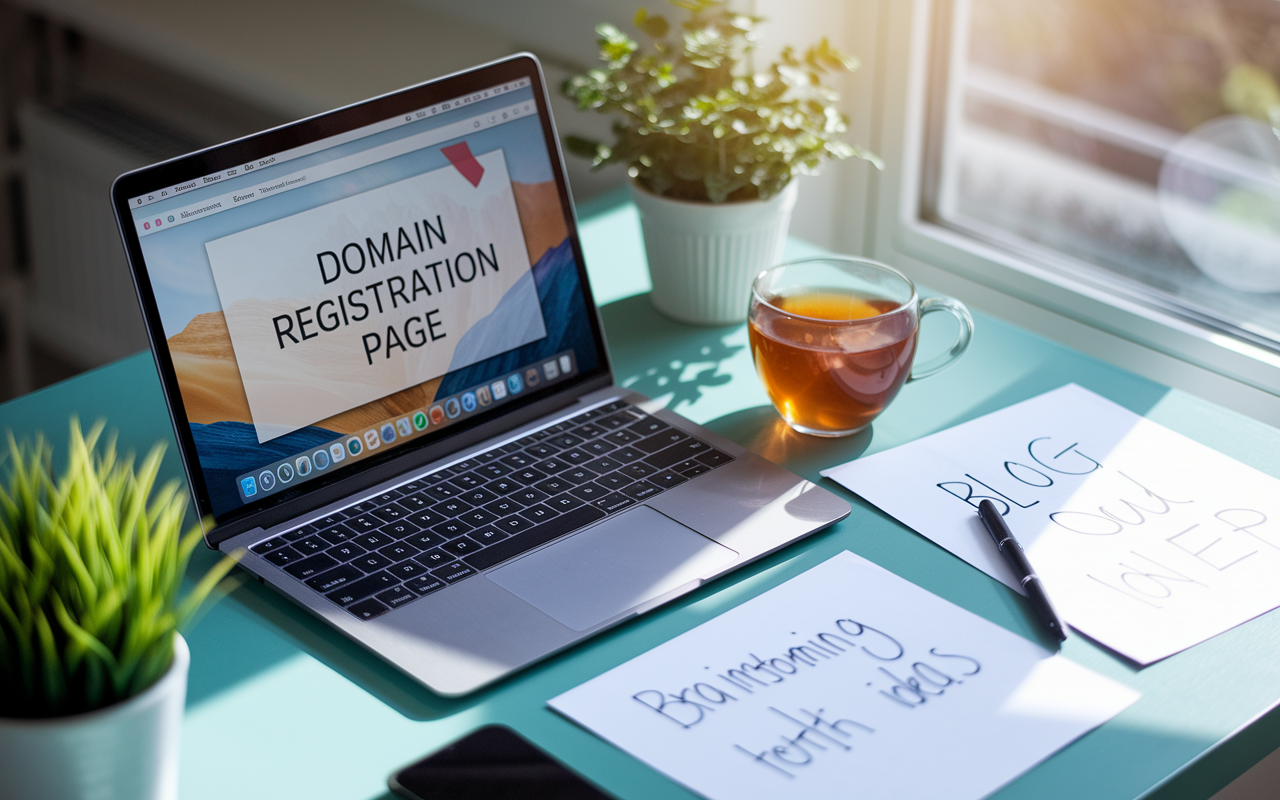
<point>93,667</point>
<point>712,147</point>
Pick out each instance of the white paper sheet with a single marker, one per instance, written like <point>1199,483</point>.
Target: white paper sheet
<point>1146,541</point>
<point>846,681</point>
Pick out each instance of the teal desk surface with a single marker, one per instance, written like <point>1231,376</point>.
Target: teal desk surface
<point>279,706</point>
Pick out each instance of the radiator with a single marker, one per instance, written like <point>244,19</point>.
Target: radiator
<point>82,302</point>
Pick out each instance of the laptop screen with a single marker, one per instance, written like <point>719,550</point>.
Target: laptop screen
<point>360,283</point>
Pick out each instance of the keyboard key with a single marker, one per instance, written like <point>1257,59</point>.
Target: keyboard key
<point>442,491</point>
<point>666,480</point>
<point>689,448</point>
<point>329,521</point>
<point>451,508</point>
<point>542,450</point>
<point>396,596</point>
<point>518,460</point>
<point>487,534</point>
<point>714,458</point>
<point>311,545</point>
<point>478,516</point>
<point>364,522</point>
<point>504,506</point>
<point>598,447</point>
<point>615,480</point>
<point>360,589</point>
<point>407,569</point>
<point>426,540</point>
<point>512,524</point>
<point>425,519</point>
<point>392,513</point>
<point>336,534</point>
<point>467,480</point>
<point>489,455</point>
<point>433,558</point>
<point>578,475</point>
<point>345,551</point>
<point>615,421</point>
<point>649,426</point>
<point>538,535</point>
<point>461,546</point>
<point>552,465</point>
<point>527,476</point>
<point>332,579</point>
<point>268,545</point>
<point>372,541</point>
<point>283,555</point>
<point>492,470</point>
<point>425,584</point>
<point>398,551</point>
<point>614,502</point>
<point>690,468</point>
<point>412,487</point>
<point>553,486</point>
<point>529,495</point>
<point>565,440</point>
<point>605,464</point>
<point>399,530</point>
<point>503,486</point>
<point>588,492</point>
<point>637,470</point>
<point>658,441</point>
<point>623,436</point>
<point>588,430</point>
<point>451,529</point>
<point>463,466</point>
<point>628,454</point>
<point>563,502</point>
<point>385,497</point>
<point>478,497</point>
<point>641,490</point>
<point>453,572</point>
<point>416,502</point>
<point>297,533</point>
<point>576,456</point>
<point>368,609</point>
<point>370,562</point>
<point>538,513</point>
<point>314,565</point>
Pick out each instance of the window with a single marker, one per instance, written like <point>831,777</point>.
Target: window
<point>1111,161</point>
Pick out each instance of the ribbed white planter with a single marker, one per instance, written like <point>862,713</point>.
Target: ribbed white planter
<point>128,751</point>
<point>704,256</point>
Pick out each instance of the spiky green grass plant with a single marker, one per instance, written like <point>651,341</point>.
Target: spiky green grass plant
<point>91,564</point>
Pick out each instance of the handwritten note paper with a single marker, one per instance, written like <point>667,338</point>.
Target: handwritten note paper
<point>846,681</point>
<point>1146,541</point>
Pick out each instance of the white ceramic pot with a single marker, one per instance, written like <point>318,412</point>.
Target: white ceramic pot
<point>704,256</point>
<point>128,751</point>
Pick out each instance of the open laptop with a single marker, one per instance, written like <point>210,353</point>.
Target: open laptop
<point>390,389</point>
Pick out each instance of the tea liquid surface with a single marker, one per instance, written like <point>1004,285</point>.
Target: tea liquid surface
<point>826,377</point>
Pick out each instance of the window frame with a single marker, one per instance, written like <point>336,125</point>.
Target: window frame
<point>918,48</point>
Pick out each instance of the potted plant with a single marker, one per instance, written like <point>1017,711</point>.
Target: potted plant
<point>93,668</point>
<point>711,146</point>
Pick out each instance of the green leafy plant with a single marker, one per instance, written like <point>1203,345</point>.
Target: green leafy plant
<point>696,122</point>
<point>91,564</point>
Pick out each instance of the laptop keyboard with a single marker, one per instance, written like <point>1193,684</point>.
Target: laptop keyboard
<point>415,539</point>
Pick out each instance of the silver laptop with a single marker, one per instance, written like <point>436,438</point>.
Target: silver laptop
<point>390,389</point>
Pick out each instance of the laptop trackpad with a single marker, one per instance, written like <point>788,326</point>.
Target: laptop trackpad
<point>612,568</point>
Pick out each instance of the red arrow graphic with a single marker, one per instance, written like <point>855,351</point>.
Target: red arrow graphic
<point>460,156</point>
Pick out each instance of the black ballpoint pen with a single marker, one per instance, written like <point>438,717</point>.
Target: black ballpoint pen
<point>1012,552</point>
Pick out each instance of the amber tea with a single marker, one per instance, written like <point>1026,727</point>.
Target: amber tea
<point>834,339</point>
<point>832,378</point>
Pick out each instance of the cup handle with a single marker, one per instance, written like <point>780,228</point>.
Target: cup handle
<point>958,310</point>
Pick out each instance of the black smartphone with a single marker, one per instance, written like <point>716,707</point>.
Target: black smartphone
<point>492,763</point>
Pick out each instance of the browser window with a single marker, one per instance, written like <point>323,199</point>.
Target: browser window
<point>331,302</point>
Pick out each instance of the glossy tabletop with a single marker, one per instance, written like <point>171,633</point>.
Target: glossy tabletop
<point>279,706</point>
